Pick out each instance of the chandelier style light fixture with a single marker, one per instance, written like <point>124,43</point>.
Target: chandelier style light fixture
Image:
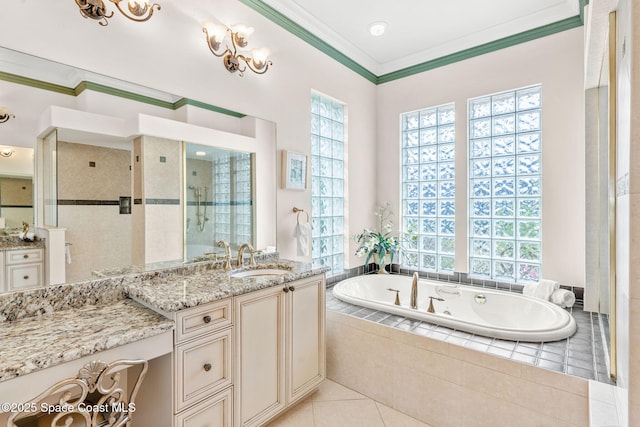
<point>5,116</point>
<point>233,61</point>
<point>136,10</point>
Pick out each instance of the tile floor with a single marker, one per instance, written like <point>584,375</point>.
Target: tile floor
<point>334,405</point>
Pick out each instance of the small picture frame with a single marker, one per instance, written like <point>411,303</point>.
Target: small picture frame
<point>294,170</point>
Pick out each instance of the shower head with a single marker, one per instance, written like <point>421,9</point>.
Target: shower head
<point>191,187</point>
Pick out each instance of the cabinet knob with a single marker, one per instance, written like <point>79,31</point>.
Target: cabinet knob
<point>26,277</point>
<point>25,256</point>
<point>207,367</point>
<point>291,288</point>
<point>285,289</point>
<point>206,319</point>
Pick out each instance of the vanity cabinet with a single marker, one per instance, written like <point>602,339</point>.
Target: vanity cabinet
<point>22,269</point>
<point>280,348</point>
<point>203,366</point>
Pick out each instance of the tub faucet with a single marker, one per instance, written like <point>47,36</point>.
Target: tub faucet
<point>227,254</point>
<point>413,303</point>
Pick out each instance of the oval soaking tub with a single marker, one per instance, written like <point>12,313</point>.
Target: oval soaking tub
<point>492,313</point>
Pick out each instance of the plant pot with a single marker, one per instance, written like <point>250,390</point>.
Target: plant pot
<point>382,262</point>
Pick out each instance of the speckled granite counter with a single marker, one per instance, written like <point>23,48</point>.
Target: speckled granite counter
<point>14,243</point>
<point>175,292</point>
<point>40,342</point>
<point>44,327</point>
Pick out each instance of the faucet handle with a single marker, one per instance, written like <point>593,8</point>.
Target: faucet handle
<point>397,291</point>
<point>253,252</point>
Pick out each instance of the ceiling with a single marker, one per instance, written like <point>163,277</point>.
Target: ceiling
<point>417,30</point>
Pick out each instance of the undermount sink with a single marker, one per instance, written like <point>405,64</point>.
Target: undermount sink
<point>261,272</point>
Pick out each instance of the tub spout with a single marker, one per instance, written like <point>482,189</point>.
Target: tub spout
<point>413,303</point>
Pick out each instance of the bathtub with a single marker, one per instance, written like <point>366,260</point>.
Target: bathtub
<point>492,313</point>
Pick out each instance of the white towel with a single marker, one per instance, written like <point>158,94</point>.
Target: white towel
<point>543,289</point>
<point>302,233</point>
<point>563,297</point>
<point>67,254</point>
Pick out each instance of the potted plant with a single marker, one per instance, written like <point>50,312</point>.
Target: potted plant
<point>379,243</point>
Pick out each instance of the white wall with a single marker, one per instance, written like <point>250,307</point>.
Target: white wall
<point>557,63</point>
<point>172,55</point>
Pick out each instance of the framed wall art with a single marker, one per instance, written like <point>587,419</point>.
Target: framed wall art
<point>294,170</point>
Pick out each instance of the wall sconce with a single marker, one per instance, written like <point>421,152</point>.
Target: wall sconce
<point>256,60</point>
<point>5,116</point>
<point>7,152</point>
<point>136,10</point>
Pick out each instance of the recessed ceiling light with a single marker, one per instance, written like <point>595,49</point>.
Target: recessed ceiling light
<point>201,153</point>
<point>377,28</point>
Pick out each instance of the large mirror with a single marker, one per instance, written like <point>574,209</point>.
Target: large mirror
<point>85,181</point>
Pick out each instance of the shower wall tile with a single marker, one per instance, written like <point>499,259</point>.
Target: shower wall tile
<point>16,191</point>
<point>163,233</point>
<point>100,238</point>
<point>162,179</point>
<point>108,180</point>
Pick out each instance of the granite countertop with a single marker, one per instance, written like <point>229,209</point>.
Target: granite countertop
<point>14,243</point>
<point>35,343</point>
<point>44,327</point>
<point>176,292</point>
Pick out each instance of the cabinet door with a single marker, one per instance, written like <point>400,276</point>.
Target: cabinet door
<point>213,412</point>
<point>305,336</point>
<point>259,386</point>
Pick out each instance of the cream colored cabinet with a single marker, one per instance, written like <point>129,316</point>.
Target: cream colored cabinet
<point>280,348</point>
<point>23,268</point>
<point>213,412</point>
<point>203,366</point>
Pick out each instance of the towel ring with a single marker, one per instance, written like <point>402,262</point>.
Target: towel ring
<point>299,211</point>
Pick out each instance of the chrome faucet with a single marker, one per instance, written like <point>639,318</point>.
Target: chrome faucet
<point>413,303</point>
<point>251,251</point>
<point>227,254</point>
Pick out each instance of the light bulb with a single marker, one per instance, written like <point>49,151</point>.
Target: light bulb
<point>377,28</point>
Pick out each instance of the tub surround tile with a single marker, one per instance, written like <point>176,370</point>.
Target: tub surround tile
<point>462,387</point>
<point>583,352</point>
<point>35,343</point>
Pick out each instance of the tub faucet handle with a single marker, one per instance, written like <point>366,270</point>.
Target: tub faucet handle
<point>431,309</point>
<point>397,291</point>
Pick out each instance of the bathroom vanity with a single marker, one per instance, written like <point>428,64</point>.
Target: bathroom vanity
<point>223,348</point>
<point>21,264</point>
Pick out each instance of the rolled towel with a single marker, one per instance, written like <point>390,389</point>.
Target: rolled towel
<point>543,289</point>
<point>563,297</point>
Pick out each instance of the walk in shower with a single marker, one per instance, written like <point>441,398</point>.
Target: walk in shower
<point>219,194</point>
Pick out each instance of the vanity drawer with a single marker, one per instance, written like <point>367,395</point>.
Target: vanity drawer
<point>24,276</point>
<point>213,412</point>
<point>203,320</point>
<point>21,256</point>
<point>203,367</point>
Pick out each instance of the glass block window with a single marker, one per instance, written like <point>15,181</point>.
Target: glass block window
<point>505,186</point>
<point>327,182</point>
<point>428,187</point>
